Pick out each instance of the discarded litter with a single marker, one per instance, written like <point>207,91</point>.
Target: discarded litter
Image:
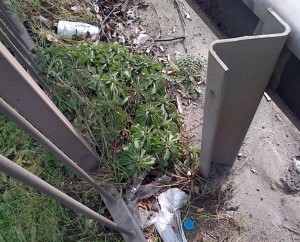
<point>189,224</point>
<point>170,202</point>
<point>279,117</point>
<point>76,9</point>
<point>141,39</point>
<point>137,191</point>
<point>121,39</point>
<point>52,38</point>
<point>148,50</point>
<point>130,14</point>
<point>149,190</point>
<point>167,220</point>
<point>267,97</point>
<point>187,15</point>
<point>69,29</point>
<point>96,6</point>
<point>161,48</point>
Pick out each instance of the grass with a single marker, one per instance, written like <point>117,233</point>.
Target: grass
<point>31,220</point>
<point>23,216</point>
<point>26,215</point>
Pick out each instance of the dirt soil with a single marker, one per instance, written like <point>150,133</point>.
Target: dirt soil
<point>262,207</point>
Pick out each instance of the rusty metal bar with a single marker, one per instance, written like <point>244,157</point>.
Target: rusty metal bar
<point>239,70</point>
<point>9,167</point>
<point>20,91</point>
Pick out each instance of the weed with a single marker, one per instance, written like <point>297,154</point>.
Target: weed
<point>187,76</point>
<point>115,97</point>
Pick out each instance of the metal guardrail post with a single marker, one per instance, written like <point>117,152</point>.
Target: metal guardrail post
<point>239,70</point>
<point>22,92</point>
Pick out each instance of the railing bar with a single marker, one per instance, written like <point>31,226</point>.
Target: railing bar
<point>23,93</point>
<point>8,21</point>
<point>13,115</point>
<point>10,168</point>
<point>26,59</point>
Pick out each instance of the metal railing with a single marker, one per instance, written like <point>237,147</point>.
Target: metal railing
<point>24,102</point>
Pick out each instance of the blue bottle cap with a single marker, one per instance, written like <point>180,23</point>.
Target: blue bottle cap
<point>189,224</point>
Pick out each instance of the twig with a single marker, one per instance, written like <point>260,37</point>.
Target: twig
<point>214,237</point>
<point>171,39</point>
<point>292,230</point>
<point>182,22</point>
<point>157,20</point>
<point>110,14</point>
<point>179,105</point>
<point>180,14</point>
<point>193,128</point>
<point>241,166</point>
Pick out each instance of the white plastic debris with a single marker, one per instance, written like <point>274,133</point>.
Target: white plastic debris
<point>76,9</point>
<point>177,54</point>
<point>267,97</point>
<point>167,221</point>
<point>130,14</point>
<point>297,164</point>
<point>161,48</point>
<point>96,6</point>
<point>141,39</point>
<point>121,39</point>
<point>69,29</point>
<point>187,15</point>
<point>148,50</point>
<point>170,202</point>
<point>120,27</point>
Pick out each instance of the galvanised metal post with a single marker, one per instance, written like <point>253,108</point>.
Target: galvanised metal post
<point>239,71</point>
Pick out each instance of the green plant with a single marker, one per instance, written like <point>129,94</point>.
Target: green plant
<point>166,145</point>
<point>134,160</point>
<point>187,75</point>
<point>108,92</point>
